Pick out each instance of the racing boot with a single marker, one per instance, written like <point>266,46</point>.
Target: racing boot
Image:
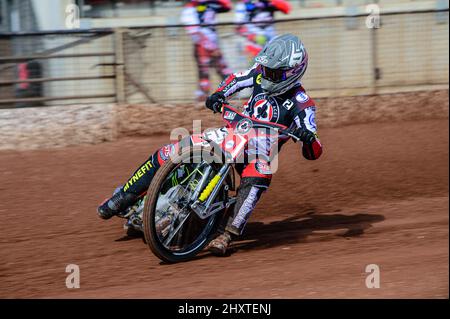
<point>219,245</point>
<point>116,204</point>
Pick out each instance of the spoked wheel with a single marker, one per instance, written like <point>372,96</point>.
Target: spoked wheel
<point>173,231</point>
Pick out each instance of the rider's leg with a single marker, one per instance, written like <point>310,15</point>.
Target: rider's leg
<point>137,185</point>
<point>254,182</point>
<point>219,63</point>
<point>203,59</point>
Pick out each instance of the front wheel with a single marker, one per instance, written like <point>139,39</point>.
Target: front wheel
<point>173,231</point>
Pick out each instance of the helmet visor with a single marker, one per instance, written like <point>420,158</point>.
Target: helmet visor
<point>274,75</point>
<point>278,75</point>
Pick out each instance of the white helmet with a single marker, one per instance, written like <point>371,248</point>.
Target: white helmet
<point>283,62</point>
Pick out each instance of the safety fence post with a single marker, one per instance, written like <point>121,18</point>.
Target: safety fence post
<point>119,64</point>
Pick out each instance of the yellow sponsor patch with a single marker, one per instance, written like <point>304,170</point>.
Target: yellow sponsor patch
<point>201,8</point>
<point>139,173</point>
<point>258,79</point>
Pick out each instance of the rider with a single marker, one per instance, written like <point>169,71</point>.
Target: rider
<point>200,17</point>
<point>278,97</point>
<point>255,18</point>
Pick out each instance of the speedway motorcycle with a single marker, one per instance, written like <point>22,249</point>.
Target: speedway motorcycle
<point>190,194</point>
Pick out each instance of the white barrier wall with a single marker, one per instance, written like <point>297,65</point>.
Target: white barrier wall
<point>48,127</point>
<point>409,51</point>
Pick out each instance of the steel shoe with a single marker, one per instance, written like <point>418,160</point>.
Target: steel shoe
<point>219,245</point>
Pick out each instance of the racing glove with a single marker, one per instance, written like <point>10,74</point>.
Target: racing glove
<point>306,136</point>
<point>215,101</point>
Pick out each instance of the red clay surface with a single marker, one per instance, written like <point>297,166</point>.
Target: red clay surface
<point>379,195</point>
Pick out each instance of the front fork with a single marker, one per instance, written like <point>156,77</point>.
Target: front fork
<point>203,206</point>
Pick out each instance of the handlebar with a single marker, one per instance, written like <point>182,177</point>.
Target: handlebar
<point>290,134</point>
<point>285,132</point>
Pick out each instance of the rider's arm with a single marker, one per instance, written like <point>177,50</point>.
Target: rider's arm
<point>232,84</point>
<point>238,81</point>
<point>304,120</point>
<point>311,148</point>
<point>221,6</point>
<point>280,5</point>
<point>241,17</point>
<point>189,17</point>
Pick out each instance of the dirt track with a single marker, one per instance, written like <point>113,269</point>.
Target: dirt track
<point>379,195</point>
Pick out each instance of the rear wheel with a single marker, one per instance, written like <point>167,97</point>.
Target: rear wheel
<point>173,231</point>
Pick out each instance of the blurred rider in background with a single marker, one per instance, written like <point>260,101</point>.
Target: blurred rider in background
<point>200,18</point>
<point>255,18</point>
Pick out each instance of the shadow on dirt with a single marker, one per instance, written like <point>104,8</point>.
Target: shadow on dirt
<point>294,229</point>
<point>132,236</point>
<point>297,228</point>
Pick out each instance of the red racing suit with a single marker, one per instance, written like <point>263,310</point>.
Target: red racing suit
<point>294,109</point>
<point>200,18</point>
